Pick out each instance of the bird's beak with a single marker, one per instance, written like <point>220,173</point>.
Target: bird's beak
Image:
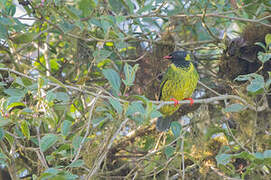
<point>167,57</point>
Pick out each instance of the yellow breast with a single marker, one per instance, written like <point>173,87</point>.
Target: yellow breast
<point>180,83</point>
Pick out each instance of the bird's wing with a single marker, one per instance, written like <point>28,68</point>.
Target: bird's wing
<point>165,78</point>
<point>161,88</point>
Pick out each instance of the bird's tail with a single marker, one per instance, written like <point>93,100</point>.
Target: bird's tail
<point>163,123</point>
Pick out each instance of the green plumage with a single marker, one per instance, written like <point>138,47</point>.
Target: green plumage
<point>179,82</point>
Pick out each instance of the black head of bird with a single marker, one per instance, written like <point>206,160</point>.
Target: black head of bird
<point>179,58</point>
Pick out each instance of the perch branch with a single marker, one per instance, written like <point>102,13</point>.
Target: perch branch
<point>160,103</point>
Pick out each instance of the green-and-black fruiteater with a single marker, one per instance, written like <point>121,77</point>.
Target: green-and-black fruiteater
<point>178,83</point>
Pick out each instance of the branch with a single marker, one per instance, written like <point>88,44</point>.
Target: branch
<point>137,59</point>
<point>92,105</point>
<point>161,103</point>
<point>222,174</point>
<point>205,25</point>
<point>97,165</point>
<point>210,100</point>
<point>39,152</point>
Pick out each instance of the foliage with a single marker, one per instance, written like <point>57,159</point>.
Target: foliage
<point>79,80</point>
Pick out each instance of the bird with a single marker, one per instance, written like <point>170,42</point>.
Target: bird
<point>178,83</point>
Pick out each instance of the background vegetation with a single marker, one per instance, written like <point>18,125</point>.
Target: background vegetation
<point>80,83</point>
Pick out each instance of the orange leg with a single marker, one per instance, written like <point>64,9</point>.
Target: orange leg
<point>175,101</point>
<point>191,100</point>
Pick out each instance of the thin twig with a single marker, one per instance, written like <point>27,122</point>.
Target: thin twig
<point>222,174</point>
<point>205,25</point>
<point>210,89</point>
<point>235,139</point>
<point>92,105</point>
<point>137,59</point>
<point>39,152</point>
<point>101,158</point>
<point>182,150</point>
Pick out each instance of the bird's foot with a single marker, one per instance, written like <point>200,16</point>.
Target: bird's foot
<point>175,101</point>
<point>191,100</point>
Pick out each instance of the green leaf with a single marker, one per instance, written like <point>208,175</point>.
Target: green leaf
<point>130,6</point>
<point>267,154</point>
<point>116,5</point>
<point>102,54</point>
<point>147,8</point>
<point>2,83</point>
<point>86,6</point>
<point>105,25</point>
<point>66,127</point>
<point>223,158</point>
<point>34,140</point>
<point>4,122</point>
<point>52,171</point>
<point>15,92</point>
<point>263,57</point>
<point>11,10</point>
<point>242,78</point>
<point>129,72</point>
<point>19,133</point>
<point>176,128</point>
<point>70,176</point>
<point>244,155</point>
<point>113,77</point>
<point>256,86</point>
<point>48,141</point>
<point>25,129</point>
<point>10,139</point>
<point>78,163</point>
<point>13,99</point>
<point>2,133</point>
<point>54,64</point>
<point>155,113</point>
<point>267,83</point>
<point>3,156</point>
<point>96,22</point>
<point>76,141</point>
<point>3,32</point>
<point>97,121</point>
<point>137,112</point>
<point>19,26</point>
<point>3,159</point>
<point>135,107</point>
<point>262,45</point>
<point>268,39</point>
<point>141,98</point>
<point>14,105</point>
<point>70,12</point>
<point>22,38</point>
<point>66,26</point>
<point>169,151</point>
<point>120,19</point>
<point>259,155</point>
<point>121,45</point>
<point>6,21</point>
<point>234,108</point>
<point>62,96</point>
<point>116,105</point>
<point>19,81</point>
